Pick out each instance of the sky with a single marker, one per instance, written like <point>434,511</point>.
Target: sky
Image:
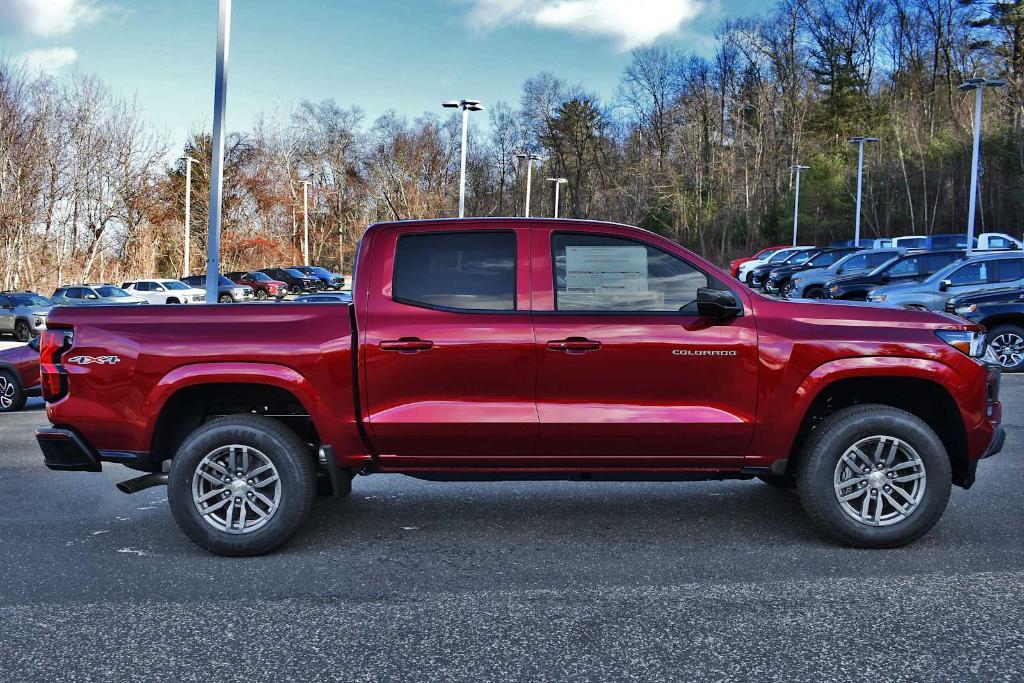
<point>402,55</point>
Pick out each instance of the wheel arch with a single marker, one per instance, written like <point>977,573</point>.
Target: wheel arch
<point>918,386</point>
<point>1015,319</point>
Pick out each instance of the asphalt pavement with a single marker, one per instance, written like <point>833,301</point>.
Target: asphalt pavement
<point>411,580</point>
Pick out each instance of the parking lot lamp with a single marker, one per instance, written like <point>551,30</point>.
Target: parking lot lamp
<point>859,141</point>
<point>558,183</point>
<point>305,222</point>
<point>467,106</point>
<point>188,215</point>
<point>529,159</point>
<point>220,92</point>
<point>796,197</point>
<point>978,85</point>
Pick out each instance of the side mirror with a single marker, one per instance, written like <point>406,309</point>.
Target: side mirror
<point>840,271</point>
<point>716,303</point>
<point>34,344</point>
<point>945,285</point>
<point>886,277</point>
<point>91,297</point>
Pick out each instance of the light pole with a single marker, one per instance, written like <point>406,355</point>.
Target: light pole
<point>978,85</point>
<point>467,106</point>
<point>859,141</point>
<point>558,183</point>
<point>529,159</point>
<point>796,198</point>
<point>305,222</point>
<point>188,214</point>
<point>220,93</point>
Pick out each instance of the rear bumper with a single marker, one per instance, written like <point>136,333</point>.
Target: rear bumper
<point>65,450</point>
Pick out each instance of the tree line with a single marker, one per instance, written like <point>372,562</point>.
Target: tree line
<point>694,147</point>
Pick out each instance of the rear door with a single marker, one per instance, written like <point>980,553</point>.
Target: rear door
<point>447,347</point>
<point>6,314</point>
<point>1009,272</point>
<point>628,374</point>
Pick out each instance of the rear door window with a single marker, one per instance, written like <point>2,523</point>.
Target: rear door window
<point>1009,270</point>
<point>905,268</point>
<point>469,271</point>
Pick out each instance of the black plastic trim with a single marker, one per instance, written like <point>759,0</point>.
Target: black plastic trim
<point>65,450</point>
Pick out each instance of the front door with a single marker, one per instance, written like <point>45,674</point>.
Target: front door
<point>6,314</point>
<point>448,348</point>
<point>627,371</point>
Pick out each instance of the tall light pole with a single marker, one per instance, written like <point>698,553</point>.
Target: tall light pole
<point>305,222</point>
<point>558,183</point>
<point>220,93</point>
<point>796,198</point>
<point>978,85</point>
<point>859,141</point>
<point>529,159</point>
<point>467,106</point>
<point>187,260</point>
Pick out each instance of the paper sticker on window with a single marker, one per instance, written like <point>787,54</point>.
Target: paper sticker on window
<point>606,269</point>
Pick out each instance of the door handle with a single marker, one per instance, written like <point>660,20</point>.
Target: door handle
<point>574,345</point>
<point>406,345</point>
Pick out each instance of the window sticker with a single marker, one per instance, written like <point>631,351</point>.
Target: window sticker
<point>606,270</point>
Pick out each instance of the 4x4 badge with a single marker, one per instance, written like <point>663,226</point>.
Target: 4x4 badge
<point>94,360</point>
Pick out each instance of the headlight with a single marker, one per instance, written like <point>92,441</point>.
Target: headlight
<point>964,310</point>
<point>970,343</point>
<point>834,288</point>
<point>39,321</point>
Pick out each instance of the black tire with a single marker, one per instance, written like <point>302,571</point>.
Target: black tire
<point>779,481</point>
<point>1007,334</point>
<point>22,332</point>
<point>826,446</point>
<point>12,396</point>
<point>296,290</point>
<point>814,292</point>
<point>289,455</point>
<point>225,299</point>
<point>750,280</point>
<point>261,295</point>
<point>172,300</point>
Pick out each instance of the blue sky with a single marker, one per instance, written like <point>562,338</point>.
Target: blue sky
<point>381,54</point>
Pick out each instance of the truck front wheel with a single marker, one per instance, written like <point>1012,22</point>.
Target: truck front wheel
<point>241,485</point>
<point>874,476</point>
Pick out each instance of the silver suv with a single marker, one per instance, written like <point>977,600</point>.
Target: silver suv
<point>23,314</point>
<point>972,274</point>
<point>810,284</point>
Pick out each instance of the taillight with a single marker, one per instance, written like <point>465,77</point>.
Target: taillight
<point>52,377</point>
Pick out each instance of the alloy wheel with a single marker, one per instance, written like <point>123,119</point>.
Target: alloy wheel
<point>236,489</point>
<point>22,332</point>
<point>1008,348</point>
<point>7,390</point>
<point>880,481</point>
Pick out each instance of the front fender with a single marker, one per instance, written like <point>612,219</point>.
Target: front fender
<point>779,425</point>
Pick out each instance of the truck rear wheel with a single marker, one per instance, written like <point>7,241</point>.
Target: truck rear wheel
<point>241,485</point>
<point>874,476</point>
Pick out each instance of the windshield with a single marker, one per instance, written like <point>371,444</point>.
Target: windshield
<point>294,273</point>
<point>174,284</point>
<point>111,291</point>
<point>224,282</point>
<point>30,300</point>
<point>322,272</point>
<point>260,277</point>
<point>780,256</point>
<point>823,259</point>
<point>885,266</point>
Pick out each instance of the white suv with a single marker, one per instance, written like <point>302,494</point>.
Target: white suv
<point>166,292</point>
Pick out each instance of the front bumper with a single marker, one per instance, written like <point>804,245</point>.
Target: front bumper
<point>65,450</point>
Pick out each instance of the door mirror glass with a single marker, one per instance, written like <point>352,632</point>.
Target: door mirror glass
<point>944,285</point>
<point>717,304</point>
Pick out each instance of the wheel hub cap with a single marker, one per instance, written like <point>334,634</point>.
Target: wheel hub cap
<point>880,480</point>
<point>1009,349</point>
<point>236,489</point>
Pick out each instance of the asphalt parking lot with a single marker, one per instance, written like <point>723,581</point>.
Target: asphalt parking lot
<point>409,580</point>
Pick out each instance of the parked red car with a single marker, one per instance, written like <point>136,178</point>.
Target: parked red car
<point>734,265</point>
<point>19,375</point>
<point>263,286</point>
<point>524,349</point>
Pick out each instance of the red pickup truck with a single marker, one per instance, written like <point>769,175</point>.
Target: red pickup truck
<point>499,349</point>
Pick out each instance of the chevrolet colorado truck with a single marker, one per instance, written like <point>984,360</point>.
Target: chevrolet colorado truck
<point>510,349</point>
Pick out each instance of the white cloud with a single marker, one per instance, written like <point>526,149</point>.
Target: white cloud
<point>631,23</point>
<point>48,17</point>
<point>49,60</point>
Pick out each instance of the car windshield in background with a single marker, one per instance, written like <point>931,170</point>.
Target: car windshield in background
<point>800,257</point>
<point>224,282</point>
<point>322,272</point>
<point>173,284</point>
<point>295,273</point>
<point>885,266</point>
<point>822,260</point>
<point>111,291</point>
<point>780,255</point>
<point>260,277</point>
<point>30,300</point>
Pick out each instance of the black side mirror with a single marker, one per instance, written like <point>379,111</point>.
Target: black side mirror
<point>717,303</point>
<point>945,285</point>
<point>34,344</point>
<point>886,277</point>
